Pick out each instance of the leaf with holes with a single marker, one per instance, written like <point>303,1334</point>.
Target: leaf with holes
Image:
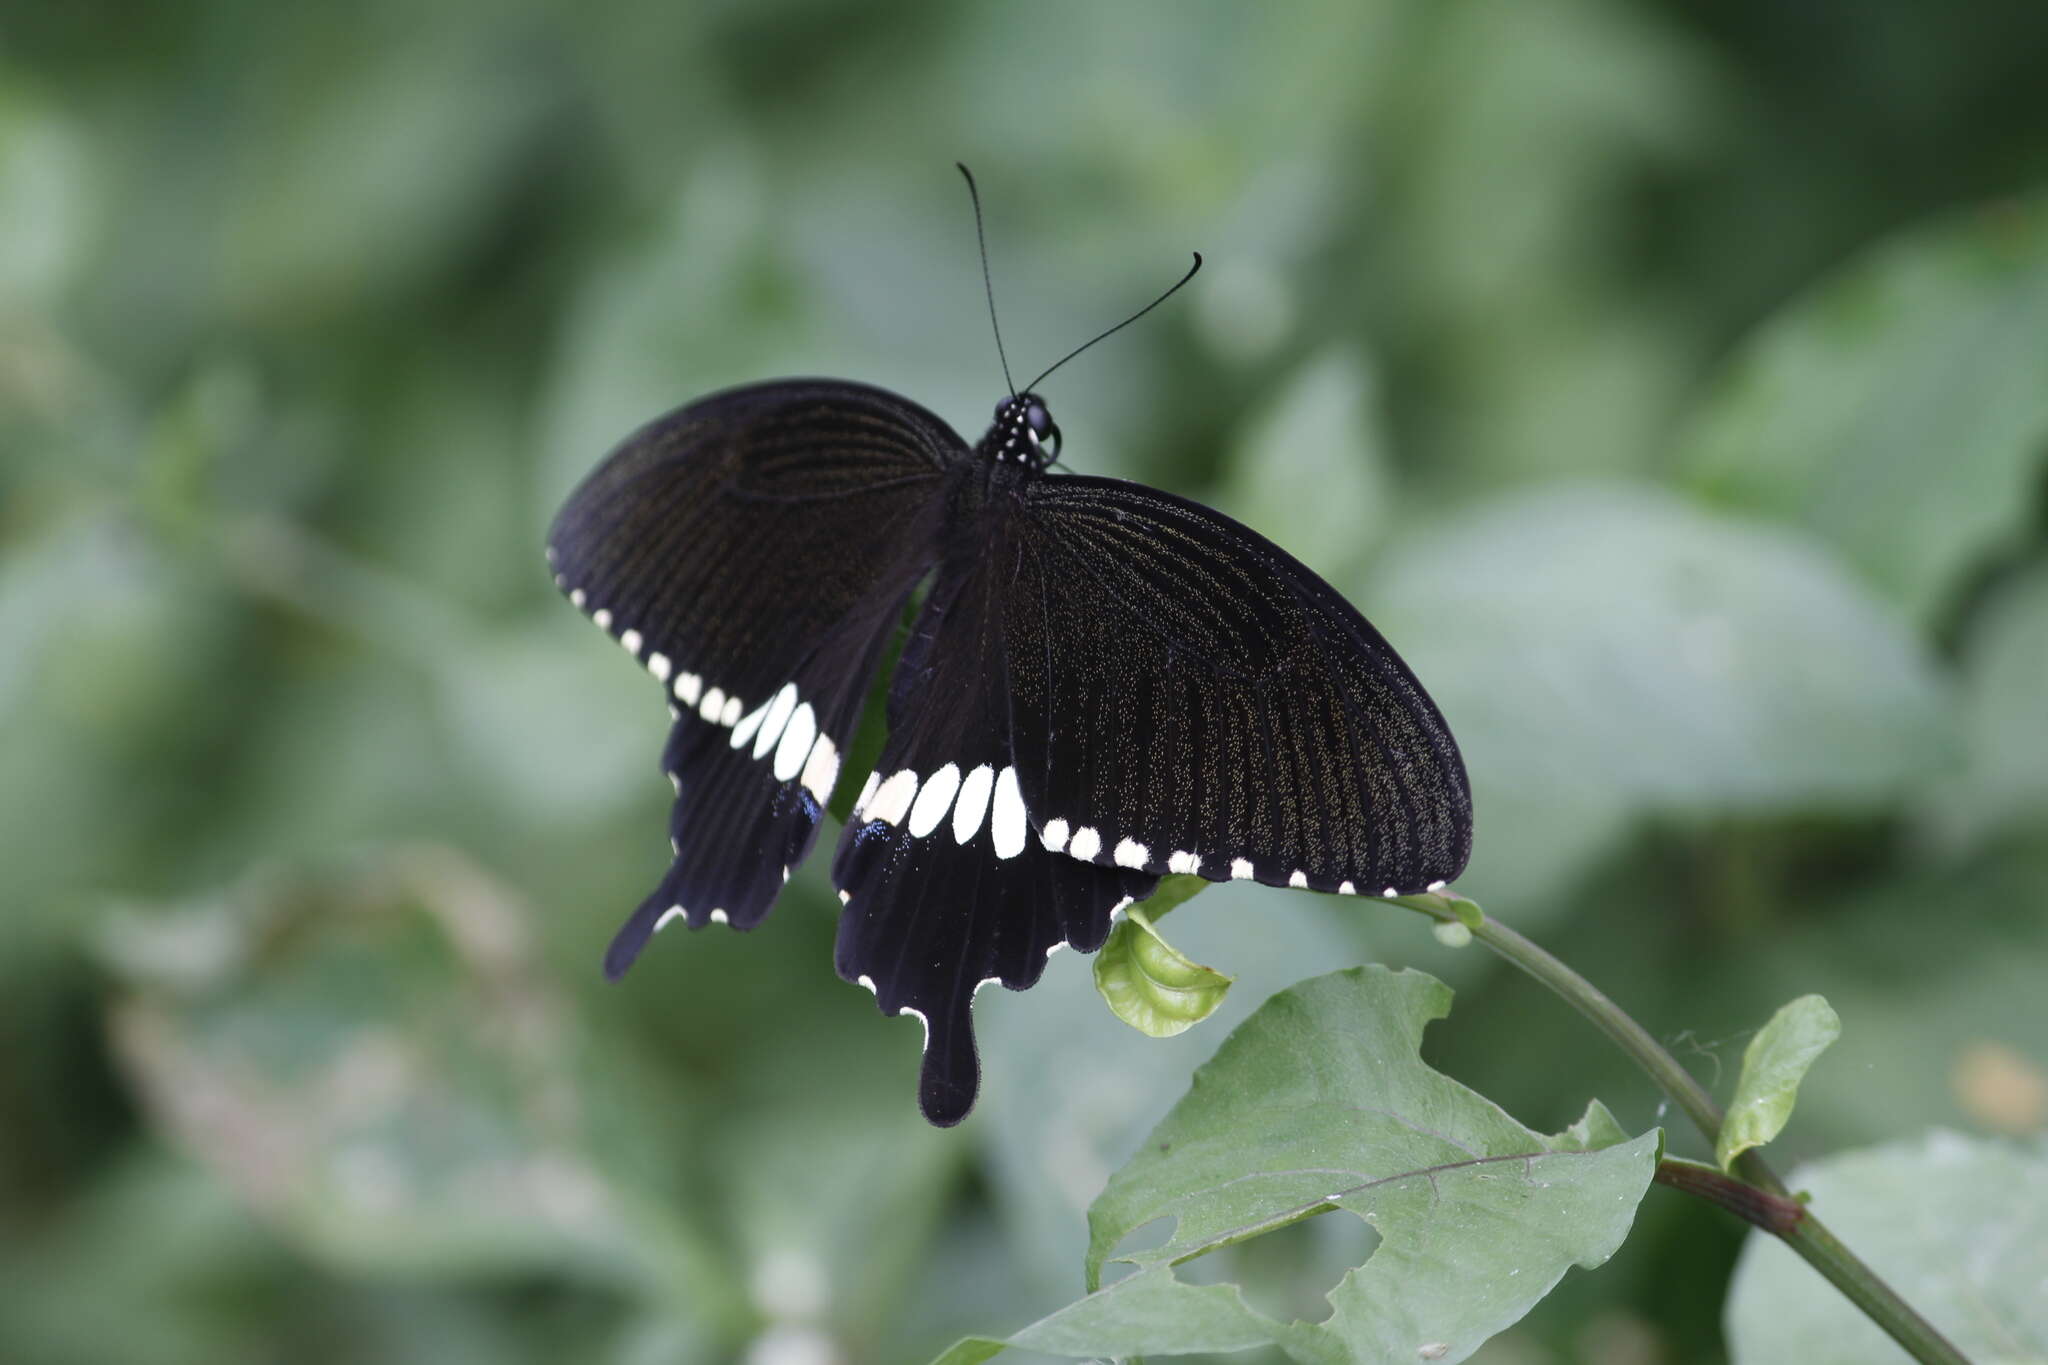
<point>1320,1103</point>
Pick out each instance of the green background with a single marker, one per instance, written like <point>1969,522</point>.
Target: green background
<point>1666,380</point>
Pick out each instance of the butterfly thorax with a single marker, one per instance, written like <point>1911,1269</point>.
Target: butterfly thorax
<point>1023,434</point>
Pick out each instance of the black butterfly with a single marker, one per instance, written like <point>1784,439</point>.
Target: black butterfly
<point>1105,684</point>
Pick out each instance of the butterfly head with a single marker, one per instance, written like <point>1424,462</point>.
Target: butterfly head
<point>1024,433</point>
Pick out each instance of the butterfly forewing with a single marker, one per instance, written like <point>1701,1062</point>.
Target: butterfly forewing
<point>1188,697</point>
<point>752,551</point>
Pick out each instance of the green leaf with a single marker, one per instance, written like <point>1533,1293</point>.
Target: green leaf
<point>2004,781</point>
<point>1898,409</point>
<point>1319,1102</point>
<point>1959,1227</point>
<point>375,1062</point>
<point>1070,1096</point>
<point>1150,985</point>
<point>1150,1312</point>
<point>1773,1064</point>
<point>1603,650</point>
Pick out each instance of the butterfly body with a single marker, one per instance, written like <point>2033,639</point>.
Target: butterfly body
<point>1103,685</point>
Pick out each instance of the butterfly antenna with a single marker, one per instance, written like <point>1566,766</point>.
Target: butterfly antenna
<point>1120,326</point>
<point>987,286</point>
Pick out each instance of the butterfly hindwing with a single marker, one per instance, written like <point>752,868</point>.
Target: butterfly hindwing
<point>946,885</point>
<point>1190,698</point>
<point>752,551</point>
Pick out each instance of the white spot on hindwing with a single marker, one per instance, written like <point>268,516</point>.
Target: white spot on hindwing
<point>1054,836</point>
<point>892,799</point>
<point>1086,844</point>
<point>1008,826</point>
<point>749,723</point>
<point>1299,881</point>
<point>1346,889</point>
<point>1131,853</point>
<point>867,793</point>
<point>673,912</point>
<point>934,799</point>
<point>1241,869</point>
<point>821,769</point>
<point>731,714</point>
<point>778,717</point>
<point>603,618</point>
<point>719,917</point>
<point>972,804</point>
<point>1184,863</point>
<point>688,688</point>
<point>919,1016</point>
<point>631,640</point>
<point>797,738</point>
<point>577,598</point>
<point>714,702</point>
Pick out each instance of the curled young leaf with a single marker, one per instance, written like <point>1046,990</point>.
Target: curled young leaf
<point>1152,986</point>
<point>1773,1064</point>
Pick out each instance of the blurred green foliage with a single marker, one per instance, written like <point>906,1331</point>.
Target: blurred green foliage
<point>1664,379</point>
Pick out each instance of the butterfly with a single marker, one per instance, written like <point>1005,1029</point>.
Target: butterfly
<point>1104,684</point>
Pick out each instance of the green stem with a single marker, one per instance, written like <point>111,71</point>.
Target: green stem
<point>1807,1236</point>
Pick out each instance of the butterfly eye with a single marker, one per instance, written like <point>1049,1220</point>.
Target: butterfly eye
<point>1039,419</point>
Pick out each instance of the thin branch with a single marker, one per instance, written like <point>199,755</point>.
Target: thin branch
<point>1773,1213</point>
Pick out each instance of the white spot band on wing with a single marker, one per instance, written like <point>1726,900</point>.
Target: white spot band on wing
<point>778,717</point>
<point>821,769</point>
<point>934,799</point>
<point>1008,827</point>
<point>749,723</point>
<point>797,739</point>
<point>972,803</point>
<point>892,799</point>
